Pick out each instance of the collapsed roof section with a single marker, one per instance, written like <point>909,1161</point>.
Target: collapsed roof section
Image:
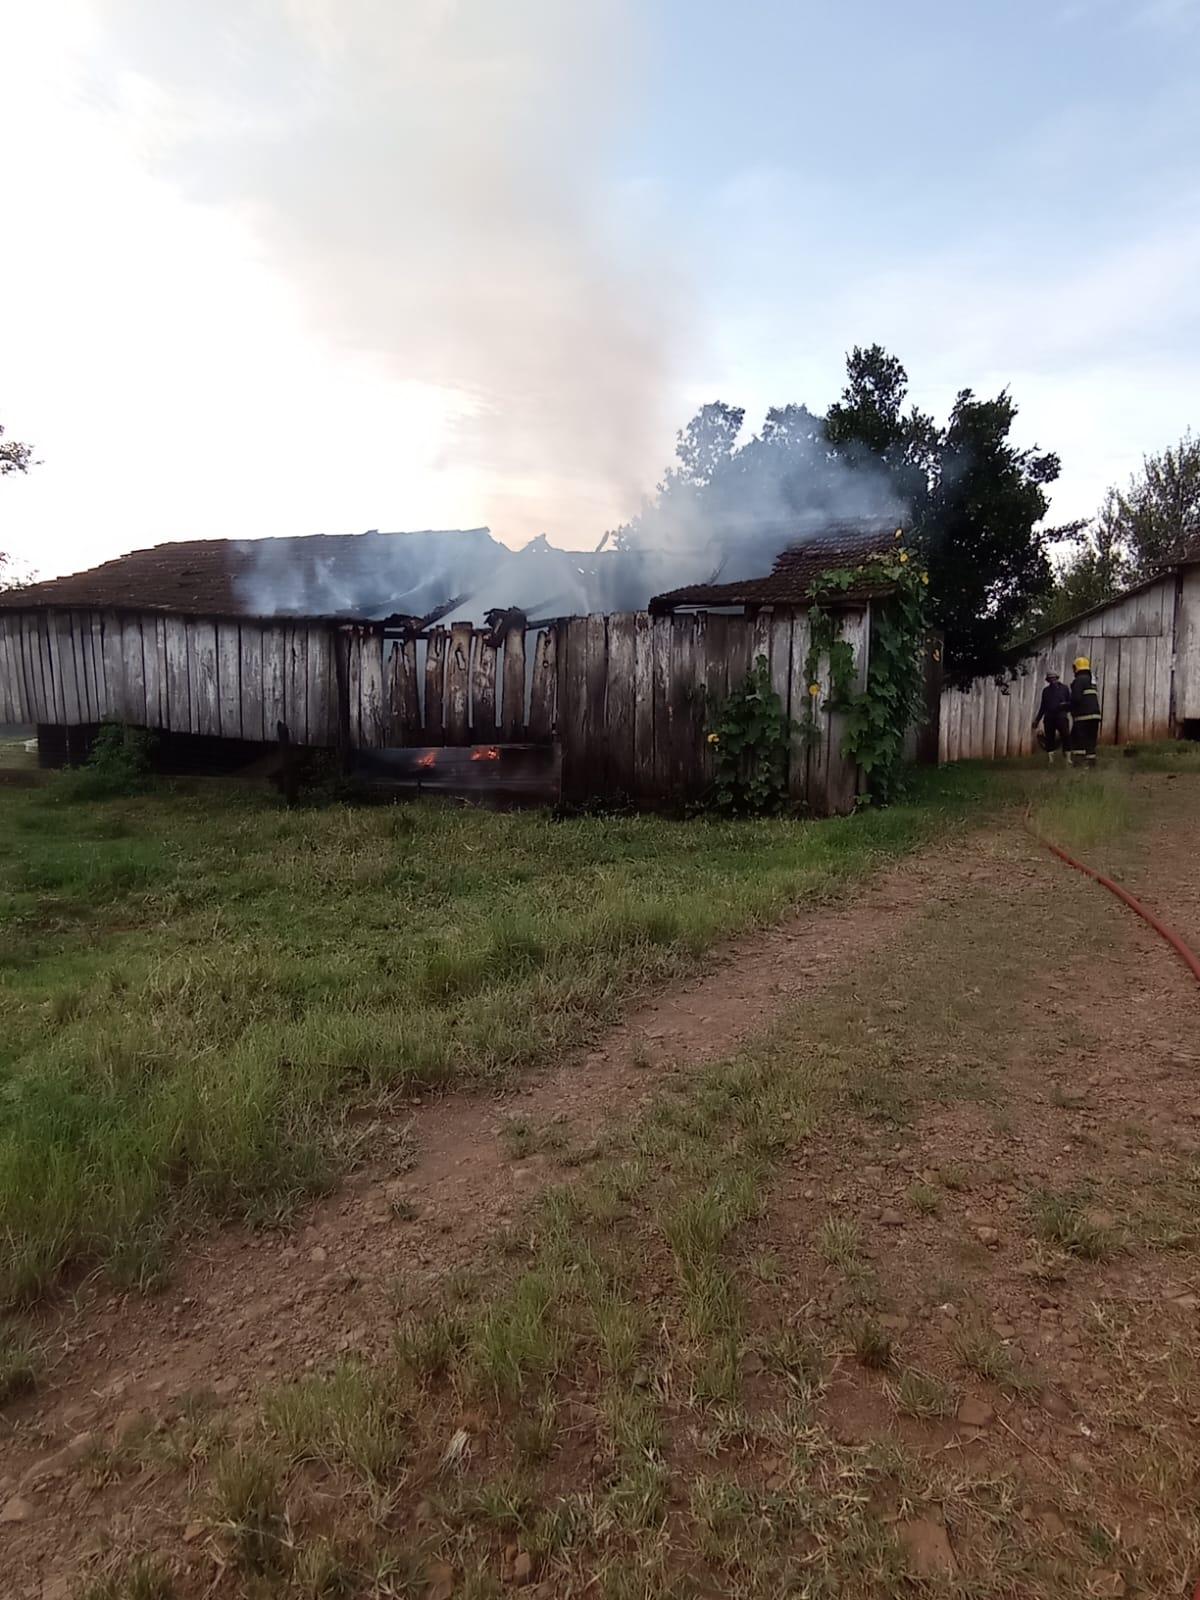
<point>796,569</point>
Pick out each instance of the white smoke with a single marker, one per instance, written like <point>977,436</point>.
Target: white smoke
<point>433,176</point>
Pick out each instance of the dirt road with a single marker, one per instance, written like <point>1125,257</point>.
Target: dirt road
<point>1005,1204</point>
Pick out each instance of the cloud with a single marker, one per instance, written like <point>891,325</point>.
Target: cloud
<point>431,177</point>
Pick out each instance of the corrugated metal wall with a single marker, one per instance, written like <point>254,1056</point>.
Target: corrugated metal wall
<point>1131,645</point>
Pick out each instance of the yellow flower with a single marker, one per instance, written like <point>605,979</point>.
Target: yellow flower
<point>937,655</point>
<point>814,689</point>
<point>903,557</point>
<point>925,578</point>
<point>899,533</point>
<point>714,738</point>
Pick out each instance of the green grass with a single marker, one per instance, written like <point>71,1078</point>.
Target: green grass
<point>195,984</point>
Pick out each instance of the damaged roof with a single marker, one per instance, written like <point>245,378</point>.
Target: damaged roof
<point>232,577</point>
<point>797,568</point>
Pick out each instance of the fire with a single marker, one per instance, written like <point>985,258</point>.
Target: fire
<point>485,752</point>
<point>428,759</point>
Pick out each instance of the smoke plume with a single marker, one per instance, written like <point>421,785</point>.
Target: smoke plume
<point>434,176</point>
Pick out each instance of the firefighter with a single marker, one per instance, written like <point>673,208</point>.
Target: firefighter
<point>1085,711</point>
<point>1054,714</point>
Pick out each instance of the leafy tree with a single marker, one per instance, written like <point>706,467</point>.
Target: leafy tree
<point>1095,570</point>
<point>976,500</point>
<point>14,456</point>
<point>1159,514</point>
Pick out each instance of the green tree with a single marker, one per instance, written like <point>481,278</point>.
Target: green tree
<point>1095,570</point>
<point>14,456</point>
<point>977,503</point>
<point>1159,513</point>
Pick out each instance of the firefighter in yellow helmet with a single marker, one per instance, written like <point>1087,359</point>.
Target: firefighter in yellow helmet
<point>1085,712</point>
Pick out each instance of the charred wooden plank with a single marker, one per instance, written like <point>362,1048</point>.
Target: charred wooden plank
<point>406,705</point>
<point>572,706</point>
<point>798,701</point>
<point>458,684</point>
<point>483,685</point>
<point>435,686</point>
<point>274,676</point>
<point>512,710</point>
<point>542,686</point>
<point>842,776</point>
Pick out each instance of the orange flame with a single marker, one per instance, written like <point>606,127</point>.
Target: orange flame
<point>485,752</point>
<point>428,759</point>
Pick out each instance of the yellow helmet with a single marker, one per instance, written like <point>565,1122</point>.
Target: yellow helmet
<point>1082,664</point>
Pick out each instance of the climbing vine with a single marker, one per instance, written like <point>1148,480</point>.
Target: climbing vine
<point>749,739</point>
<point>878,716</point>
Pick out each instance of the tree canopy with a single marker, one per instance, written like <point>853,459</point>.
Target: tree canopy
<point>14,457</point>
<point>976,501</point>
<point>1147,525</point>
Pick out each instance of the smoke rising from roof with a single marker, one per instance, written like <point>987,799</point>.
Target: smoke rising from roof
<point>430,176</point>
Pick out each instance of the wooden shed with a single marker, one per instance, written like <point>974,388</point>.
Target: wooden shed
<point>616,704</point>
<point>1144,647</point>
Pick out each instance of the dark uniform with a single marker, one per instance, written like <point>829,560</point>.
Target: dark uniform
<point>1085,714</point>
<point>1054,714</point>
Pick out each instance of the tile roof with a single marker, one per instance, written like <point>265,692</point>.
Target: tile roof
<point>796,569</point>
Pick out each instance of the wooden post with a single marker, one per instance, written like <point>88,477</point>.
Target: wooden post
<point>341,667</point>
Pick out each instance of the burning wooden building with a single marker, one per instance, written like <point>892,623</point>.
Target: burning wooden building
<point>223,641</point>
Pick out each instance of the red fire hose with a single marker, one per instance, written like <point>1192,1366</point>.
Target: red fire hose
<point>1185,953</point>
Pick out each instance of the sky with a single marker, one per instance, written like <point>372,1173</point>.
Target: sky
<point>300,266</point>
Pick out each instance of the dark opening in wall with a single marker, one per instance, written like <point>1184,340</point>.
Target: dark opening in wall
<point>1191,727</point>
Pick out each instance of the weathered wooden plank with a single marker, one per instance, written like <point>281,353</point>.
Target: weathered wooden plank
<point>760,636</point>
<point>274,679</point>
<point>250,675</point>
<point>571,656</point>
<point>1138,650</point>
<point>21,666</point>
<point>175,649</point>
<point>30,646</point>
<point>688,665</point>
<point>820,753</point>
<point>621,687</point>
<point>134,667</point>
<point>458,684</point>
<point>1158,688</point>
<point>102,703</point>
<point>781,657</point>
<point>10,644</point>
<point>543,682</point>
<point>483,686</point>
<point>204,707</point>
<point>513,704</point>
<point>10,701</point>
<point>596,707</point>
<point>643,705</point>
<point>842,780</point>
<point>64,658</point>
<point>371,709</point>
<point>715,668</point>
<point>321,717</point>
<point>798,698</point>
<point>151,689</point>
<point>49,641</point>
<point>405,695</point>
<point>663,733</point>
<point>81,650</point>
<point>740,644</point>
<point>229,683</point>
<point>295,687</point>
<point>435,686</point>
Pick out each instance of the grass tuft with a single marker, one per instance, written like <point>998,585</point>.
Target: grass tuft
<point>873,1345</point>
<point>1065,1220</point>
<point>247,1504</point>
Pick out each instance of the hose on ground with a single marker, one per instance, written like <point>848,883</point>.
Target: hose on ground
<point>1184,951</point>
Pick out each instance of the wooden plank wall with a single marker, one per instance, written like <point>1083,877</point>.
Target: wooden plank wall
<point>227,679</point>
<point>1133,650</point>
<point>636,695</point>
<point>628,696</point>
